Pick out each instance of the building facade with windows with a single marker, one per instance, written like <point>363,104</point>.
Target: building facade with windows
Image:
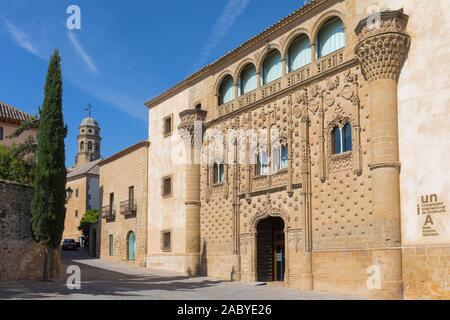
<point>300,156</point>
<point>123,192</point>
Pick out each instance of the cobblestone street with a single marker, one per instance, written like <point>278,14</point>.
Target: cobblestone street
<point>103,280</point>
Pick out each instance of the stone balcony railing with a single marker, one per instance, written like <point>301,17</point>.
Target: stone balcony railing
<point>289,80</point>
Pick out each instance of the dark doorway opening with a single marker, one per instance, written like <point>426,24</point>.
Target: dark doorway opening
<point>270,250</point>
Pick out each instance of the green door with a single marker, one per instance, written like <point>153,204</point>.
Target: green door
<point>131,246</point>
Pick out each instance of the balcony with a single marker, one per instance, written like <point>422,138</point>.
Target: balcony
<point>108,212</point>
<point>293,78</point>
<point>330,61</point>
<point>128,207</point>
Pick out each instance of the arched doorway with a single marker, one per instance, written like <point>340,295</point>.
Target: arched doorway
<point>270,250</point>
<point>131,243</point>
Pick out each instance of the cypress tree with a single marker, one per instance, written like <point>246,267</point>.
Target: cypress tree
<point>47,209</point>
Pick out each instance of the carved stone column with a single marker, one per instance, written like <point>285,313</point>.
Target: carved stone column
<point>382,49</point>
<point>191,130</point>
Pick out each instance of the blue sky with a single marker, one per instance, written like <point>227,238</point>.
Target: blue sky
<point>125,53</point>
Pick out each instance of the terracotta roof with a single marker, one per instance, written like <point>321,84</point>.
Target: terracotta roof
<point>308,6</point>
<point>9,113</point>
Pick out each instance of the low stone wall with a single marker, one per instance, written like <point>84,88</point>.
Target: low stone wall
<point>21,258</point>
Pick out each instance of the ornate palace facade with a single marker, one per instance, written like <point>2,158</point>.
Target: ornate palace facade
<point>313,196</point>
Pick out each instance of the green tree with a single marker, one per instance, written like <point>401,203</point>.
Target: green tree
<point>48,205</point>
<point>90,218</point>
<point>15,167</point>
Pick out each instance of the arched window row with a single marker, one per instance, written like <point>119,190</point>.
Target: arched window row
<point>330,38</point>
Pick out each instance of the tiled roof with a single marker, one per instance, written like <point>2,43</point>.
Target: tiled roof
<point>307,6</point>
<point>10,113</point>
<point>88,168</point>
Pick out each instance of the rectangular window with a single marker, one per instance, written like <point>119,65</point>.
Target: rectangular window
<point>111,204</point>
<point>219,173</point>
<point>131,198</point>
<point>111,245</point>
<point>1,133</point>
<point>76,213</point>
<point>166,241</point>
<point>76,193</point>
<point>280,156</point>
<point>167,126</point>
<point>262,164</point>
<point>167,186</point>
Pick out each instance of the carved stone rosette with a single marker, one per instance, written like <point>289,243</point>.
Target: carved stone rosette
<point>383,45</point>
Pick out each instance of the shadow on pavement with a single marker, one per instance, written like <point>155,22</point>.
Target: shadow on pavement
<point>100,282</point>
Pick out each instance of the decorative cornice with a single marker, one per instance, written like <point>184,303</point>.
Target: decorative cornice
<point>190,116</point>
<point>383,45</point>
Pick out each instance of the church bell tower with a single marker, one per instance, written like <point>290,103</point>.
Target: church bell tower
<point>88,142</point>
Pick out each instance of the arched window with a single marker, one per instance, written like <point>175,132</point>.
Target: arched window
<point>198,106</point>
<point>218,173</point>
<point>299,53</point>
<point>280,158</point>
<point>226,90</point>
<point>89,146</point>
<point>262,164</point>
<point>247,81</point>
<point>342,139</point>
<point>331,37</point>
<point>82,145</point>
<point>272,67</point>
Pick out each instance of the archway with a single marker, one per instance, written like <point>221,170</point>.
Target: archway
<point>131,243</point>
<point>271,257</point>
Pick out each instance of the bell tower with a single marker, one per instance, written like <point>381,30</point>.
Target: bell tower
<point>88,141</point>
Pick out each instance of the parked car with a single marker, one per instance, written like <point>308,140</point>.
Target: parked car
<point>69,244</point>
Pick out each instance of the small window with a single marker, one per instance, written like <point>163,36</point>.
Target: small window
<point>1,133</point>
<point>198,106</point>
<point>218,172</point>
<point>166,241</point>
<point>167,187</point>
<point>90,146</point>
<point>167,126</point>
<point>111,203</point>
<point>90,130</point>
<point>131,196</point>
<point>111,245</point>
<point>280,158</point>
<point>342,139</point>
<point>76,213</point>
<point>262,164</point>
<point>82,145</point>
<point>77,193</point>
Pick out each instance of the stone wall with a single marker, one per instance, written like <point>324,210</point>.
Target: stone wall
<point>21,258</point>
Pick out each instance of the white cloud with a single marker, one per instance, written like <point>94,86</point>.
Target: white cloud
<point>90,63</point>
<point>21,38</point>
<point>232,11</point>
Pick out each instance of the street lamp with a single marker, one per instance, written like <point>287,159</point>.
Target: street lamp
<point>69,192</point>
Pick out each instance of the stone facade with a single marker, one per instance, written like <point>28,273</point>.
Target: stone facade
<point>22,258</point>
<point>336,216</point>
<point>83,183</point>
<point>126,216</point>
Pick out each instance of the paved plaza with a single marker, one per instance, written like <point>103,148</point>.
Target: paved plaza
<point>104,280</point>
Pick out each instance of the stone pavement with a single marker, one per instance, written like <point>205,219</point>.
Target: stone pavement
<point>104,280</point>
